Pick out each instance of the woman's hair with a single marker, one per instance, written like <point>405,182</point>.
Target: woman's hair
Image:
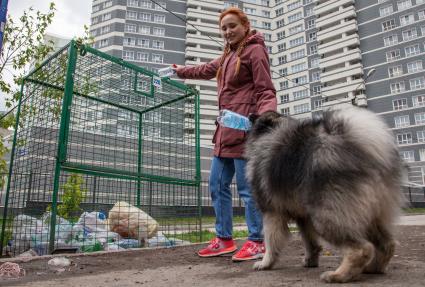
<point>245,22</point>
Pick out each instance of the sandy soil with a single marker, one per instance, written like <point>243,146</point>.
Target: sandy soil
<point>181,267</point>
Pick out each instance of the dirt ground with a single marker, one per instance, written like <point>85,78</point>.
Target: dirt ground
<point>181,267</point>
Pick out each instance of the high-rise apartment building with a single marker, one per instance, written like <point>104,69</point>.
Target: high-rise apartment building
<point>323,53</point>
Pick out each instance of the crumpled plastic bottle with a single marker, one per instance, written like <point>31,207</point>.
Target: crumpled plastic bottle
<point>234,120</point>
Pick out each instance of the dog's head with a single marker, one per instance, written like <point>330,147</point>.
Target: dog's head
<point>264,123</point>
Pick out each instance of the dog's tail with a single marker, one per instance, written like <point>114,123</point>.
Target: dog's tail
<point>369,131</point>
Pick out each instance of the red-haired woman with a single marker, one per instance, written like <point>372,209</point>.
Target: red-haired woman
<point>244,87</point>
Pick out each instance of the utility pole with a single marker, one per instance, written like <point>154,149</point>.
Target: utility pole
<point>3,13</point>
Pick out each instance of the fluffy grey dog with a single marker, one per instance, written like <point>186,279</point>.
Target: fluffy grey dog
<point>337,176</point>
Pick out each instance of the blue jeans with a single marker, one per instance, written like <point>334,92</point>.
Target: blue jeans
<point>222,171</point>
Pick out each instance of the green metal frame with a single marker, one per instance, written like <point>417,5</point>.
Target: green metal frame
<point>76,50</point>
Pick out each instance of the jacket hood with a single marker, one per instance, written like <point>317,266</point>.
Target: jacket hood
<point>256,38</point>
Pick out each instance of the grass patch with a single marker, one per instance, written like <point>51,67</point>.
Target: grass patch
<point>414,210</point>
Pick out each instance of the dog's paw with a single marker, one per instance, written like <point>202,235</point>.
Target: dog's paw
<point>333,277</point>
<point>311,262</point>
<point>261,265</point>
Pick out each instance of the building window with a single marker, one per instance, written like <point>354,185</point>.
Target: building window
<point>145,30</point>
<point>280,23</point>
<point>105,29</point>
<point>404,4</point>
<point>385,10</point>
<point>133,3</point>
<point>296,29</point>
<point>399,104</point>
<point>284,98</point>
<point>158,44</point>
<point>103,43</point>
<point>417,83</point>
<point>311,24</point>
<point>421,15</point>
<point>157,58</point>
<point>398,87</point>
<point>395,71</point>
<point>283,85</point>
<point>158,31</point>
<point>315,76</point>
<point>314,63</point>
<point>146,17</point>
<point>131,15</point>
<point>267,37</point>
<point>393,55</point>
<point>388,25</point>
<point>300,94</point>
<point>413,67</point>
<point>420,135</point>
<point>418,101</point>
<point>130,28</point>
<point>405,138</point>
<point>296,42</point>
<point>412,50</point>
<point>312,36</point>
<point>146,4</point>
<point>407,19</point>
<point>144,43</point>
<point>106,17</point>
<point>294,5</point>
<point>407,156</point>
<point>313,49</point>
<point>303,108</point>
<point>317,90</point>
<point>295,17</point>
<point>265,13</point>
<point>128,41</point>
<point>297,55</point>
<point>299,81</point>
<point>281,47</point>
<point>391,40</point>
<point>410,34</point>
<point>267,25</point>
<point>309,11</point>
<point>281,35</point>
<point>402,121</point>
<point>143,57</point>
<point>279,12</point>
<point>284,112</point>
<point>250,11</point>
<point>420,118</point>
<point>318,104</point>
<point>160,6</point>
<point>128,55</point>
<point>283,72</point>
<point>159,18</point>
<point>298,67</point>
<point>281,60</point>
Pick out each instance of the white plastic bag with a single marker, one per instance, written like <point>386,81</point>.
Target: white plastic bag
<point>131,222</point>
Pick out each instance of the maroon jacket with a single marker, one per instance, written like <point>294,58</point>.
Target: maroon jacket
<point>251,91</point>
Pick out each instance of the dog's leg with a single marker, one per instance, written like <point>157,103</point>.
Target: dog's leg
<point>384,244</point>
<point>310,238</point>
<point>276,234</point>
<point>356,257</point>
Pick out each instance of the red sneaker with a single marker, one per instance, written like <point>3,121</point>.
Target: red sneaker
<point>217,247</point>
<point>250,250</point>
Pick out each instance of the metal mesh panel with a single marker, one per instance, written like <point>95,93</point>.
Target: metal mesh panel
<point>96,138</point>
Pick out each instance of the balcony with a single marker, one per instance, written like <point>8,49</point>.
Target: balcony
<point>350,55</point>
<point>330,5</point>
<point>343,88</point>
<point>345,27</point>
<point>349,41</point>
<point>348,12</point>
<point>344,72</point>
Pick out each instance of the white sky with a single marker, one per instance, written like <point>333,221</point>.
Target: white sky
<point>70,18</point>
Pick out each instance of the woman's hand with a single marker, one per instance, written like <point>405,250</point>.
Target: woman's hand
<point>176,67</point>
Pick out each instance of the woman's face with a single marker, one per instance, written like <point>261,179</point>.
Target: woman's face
<point>232,29</point>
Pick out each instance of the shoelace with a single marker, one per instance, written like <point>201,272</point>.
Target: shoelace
<point>214,243</point>
<point>251,247</point>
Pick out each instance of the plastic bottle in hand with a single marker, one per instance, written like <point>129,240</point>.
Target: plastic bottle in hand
<point>167,71</point>
<point>234,120</point>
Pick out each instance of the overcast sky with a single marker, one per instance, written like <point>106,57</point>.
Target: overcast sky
<point>70,18</point>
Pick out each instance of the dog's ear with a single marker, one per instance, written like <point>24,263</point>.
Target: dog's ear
<point>265,122</point>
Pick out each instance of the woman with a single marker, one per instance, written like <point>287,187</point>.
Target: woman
<point>244,87</point>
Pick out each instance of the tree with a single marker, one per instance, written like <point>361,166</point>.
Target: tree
<point>23,44</point>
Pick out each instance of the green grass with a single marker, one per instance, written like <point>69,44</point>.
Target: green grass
<point>414,210</point>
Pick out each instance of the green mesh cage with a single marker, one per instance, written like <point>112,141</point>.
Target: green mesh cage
<point>105,156</point>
